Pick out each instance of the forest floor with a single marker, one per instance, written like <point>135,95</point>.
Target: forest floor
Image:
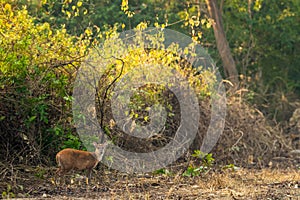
<point>213,184</point>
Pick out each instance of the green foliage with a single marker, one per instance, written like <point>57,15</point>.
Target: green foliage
<point>62,137</point>
<point>36,69</point>
<point>194,171</point>
<point>40,56</point>
<point>71,142</point>
<point>207,161</point>
<point>145,98</point>
<point>8,193</point>
<point>78,15</point>
<point>207,158</point>
<point>163,171</point>
<point>231,167</point>
<point>264,37</point>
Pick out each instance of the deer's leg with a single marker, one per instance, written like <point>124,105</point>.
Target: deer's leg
<point>61,174</point>
<point>57,174</point>
<point>88,174</point>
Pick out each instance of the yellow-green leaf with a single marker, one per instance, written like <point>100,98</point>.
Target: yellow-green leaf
<point>68,14</point>
<point>7,7</point>
<point>79,3</point>
<point>85,12</point>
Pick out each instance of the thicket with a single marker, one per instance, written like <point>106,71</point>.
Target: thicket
<point>37,68</point>
<point>263,36</point>
<point>42,46</point>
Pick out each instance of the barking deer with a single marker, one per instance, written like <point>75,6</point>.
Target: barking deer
<point>72,159</point>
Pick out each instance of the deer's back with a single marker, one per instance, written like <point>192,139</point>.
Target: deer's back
<point>75,159</point>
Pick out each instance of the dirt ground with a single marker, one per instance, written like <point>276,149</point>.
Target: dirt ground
<point>213,184</point>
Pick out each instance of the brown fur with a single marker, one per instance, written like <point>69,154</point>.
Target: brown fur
<point>72,159</point>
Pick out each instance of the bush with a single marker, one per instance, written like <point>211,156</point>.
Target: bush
<point>37,66</point>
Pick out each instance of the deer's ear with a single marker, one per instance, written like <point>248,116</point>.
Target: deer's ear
<point>95,144</point>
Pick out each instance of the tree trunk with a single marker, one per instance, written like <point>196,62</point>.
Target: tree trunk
<point>222,43</point>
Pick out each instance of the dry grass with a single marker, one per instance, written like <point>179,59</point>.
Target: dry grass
<point>241,184</point>
<point>216,184</point>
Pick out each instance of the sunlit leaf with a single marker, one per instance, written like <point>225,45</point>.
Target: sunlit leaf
<point>79,3</point>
